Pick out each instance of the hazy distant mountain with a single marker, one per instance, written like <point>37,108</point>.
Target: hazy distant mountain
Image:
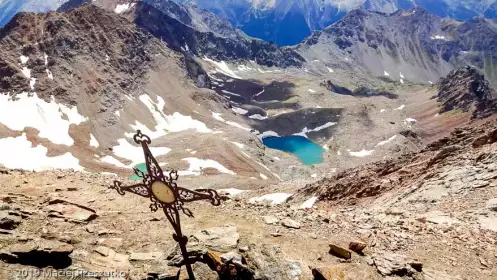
<point>8,8</point>
<point>287,22</point>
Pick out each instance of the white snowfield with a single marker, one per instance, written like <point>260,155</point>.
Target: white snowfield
<point>120,8</point>
<point>133,152</point>
<point>362,153</point>
<point>268,133</point>
<point>273,198</point>
<point>47,117</point>
<point>166,123</point>
<point>93,141</point>
<point>309,203</point>
<point>231,191</point>
<point>196,166</point>
<point>384,142</point>
<point>304,131</point>
<point>258,117</point>
<point>217,116</point>
<point>239,111</point>
<point>223,68</point>
<point>19,152</point>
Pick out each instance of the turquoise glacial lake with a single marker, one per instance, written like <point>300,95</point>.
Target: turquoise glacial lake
<point>307,151</point>
<point>143,168</point>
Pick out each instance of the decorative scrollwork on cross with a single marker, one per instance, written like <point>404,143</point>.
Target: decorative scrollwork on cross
<point>163,192</point>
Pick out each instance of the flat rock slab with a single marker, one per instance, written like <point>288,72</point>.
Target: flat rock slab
<point>440,218</point>
<point>289,223</point>
<point>270,220</point>
<point>145,256</point>
<point>222,239</point>
<point>395,264</point>
<point>71,211</point>
<point>345,271</point>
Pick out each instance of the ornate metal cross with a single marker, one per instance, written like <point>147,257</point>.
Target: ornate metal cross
<point>164,193</point>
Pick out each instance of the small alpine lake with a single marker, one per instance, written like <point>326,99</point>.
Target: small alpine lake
<point>306,150</point>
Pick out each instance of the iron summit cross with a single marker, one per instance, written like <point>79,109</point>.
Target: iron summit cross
<point>164,193</point>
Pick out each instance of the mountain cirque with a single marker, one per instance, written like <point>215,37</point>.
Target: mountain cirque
<point>90,77</point>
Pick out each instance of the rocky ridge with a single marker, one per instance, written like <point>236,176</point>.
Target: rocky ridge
<point>467,90</point>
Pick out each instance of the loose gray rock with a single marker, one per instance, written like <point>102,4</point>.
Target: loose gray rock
<point>289,223</point>
<point>233,257</point>
<point>270,220</point>
<point>395,264</point>
<point>221,239</point>
<point>492,204</point>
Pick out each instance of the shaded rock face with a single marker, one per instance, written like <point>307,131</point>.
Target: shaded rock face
<point>181,37</point>
<point>358,92</point>
<point>467,90</point>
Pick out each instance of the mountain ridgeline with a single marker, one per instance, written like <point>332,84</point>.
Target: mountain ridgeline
<point>412,45</point>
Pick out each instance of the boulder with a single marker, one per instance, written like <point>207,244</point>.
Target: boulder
<point>438,217</point>
<point>270,220</point>
<point>43,253</point>
<point>221,239</point>
<point>233,257</point>
<point>106,257</point>
<point>340,252</point>
<point>269,262</point>
<point>195,252</point>
<point>289,223</point>
<point>114,243</point>
<point>70,211</point>
<point>492,204</point>
<point>389,264</point>
<point>357,246</point>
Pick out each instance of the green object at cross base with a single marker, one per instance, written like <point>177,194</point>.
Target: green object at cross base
<point>143,168</point>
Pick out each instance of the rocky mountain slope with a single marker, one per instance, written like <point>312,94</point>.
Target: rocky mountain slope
<point>429,215</point>
<point>467,90</point>
<point>406,46</point>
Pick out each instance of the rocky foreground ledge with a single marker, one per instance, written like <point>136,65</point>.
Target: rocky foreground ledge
<point>429,215</point>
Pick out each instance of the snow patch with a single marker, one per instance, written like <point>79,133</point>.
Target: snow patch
<point>120,8</point>
<point>362,153</point>
<point>438,37</point>
<point>223,68</point>
<point>24,59</point>
<point>330,70</point>
<point>49,74</point>
<point>304,131</point>
<point>231,191</point>
<point>239,145</point>
<point>385,73</point>
<point>45,57</point>
<point>196,166</point>
<point>314,175</point>
<point>32,83</point>
<point>26,72</point>
<point>113,161</point>
<point>128,151</point>
<point>410,122</point>
<point>47,117</point>
<point>273,198</point>
<point>258,117</point>
<point>268,133</point>
<point>239,111</point>
<point>400,107</point>
<point>401,76</point>
<point>382,110</point>
<point>259,93</point>
<point>311,90</point>
<point>93,141</point>
<point>309,203</point>
<point>386,141</point>
<point>264,177</point>
<point>276,158</point>
<point>401,81</point>
<point>171,123</point>
<point>230,93</point>
<point>20,153</point>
